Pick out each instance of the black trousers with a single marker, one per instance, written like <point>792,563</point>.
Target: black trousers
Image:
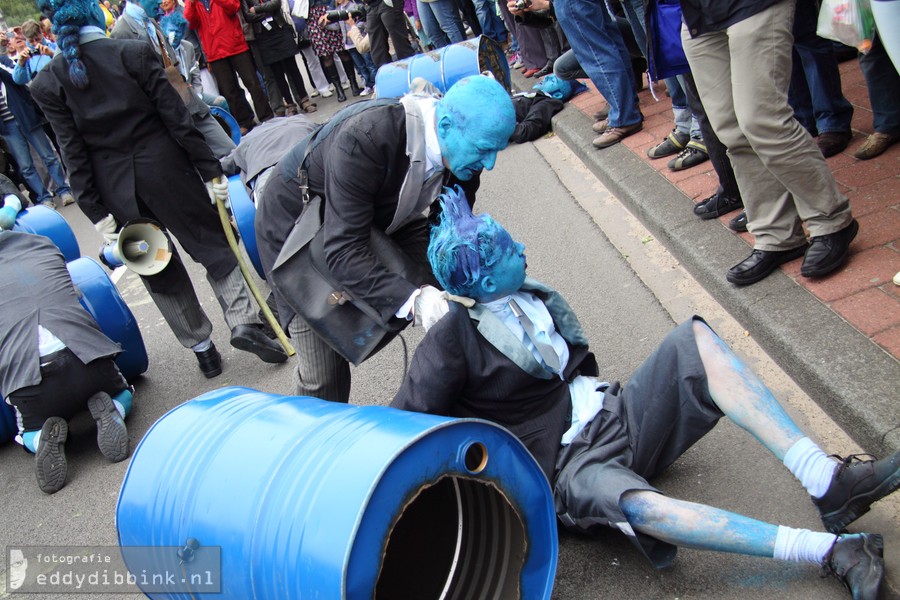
<point>226,71</point>
<point>383,21</point>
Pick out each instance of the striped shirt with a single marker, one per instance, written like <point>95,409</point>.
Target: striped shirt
<point>5,113</point>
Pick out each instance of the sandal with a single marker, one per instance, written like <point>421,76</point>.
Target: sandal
<point>308,105</point>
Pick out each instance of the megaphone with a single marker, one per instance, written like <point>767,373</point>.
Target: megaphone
<point>142,246</point>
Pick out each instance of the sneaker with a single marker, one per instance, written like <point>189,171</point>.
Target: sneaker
<point>857,484</point>
<point>614,135</point>
<point>314,93</point>
<point>50,460</point>
<point>112,435</point>
<point>717,205</point>
<point>739,223</point>
<point>602,114</point>
<point>345,85</point>
<point>857,561</point>
<point>600,126</point>
<point>367,91</point>
<point>327,93</point>
<point>518,64</point>
<point>692,155</point>
<point>49,203</point>
<point>673,144</point>
<point>67,198</point>
<point>513,58</point>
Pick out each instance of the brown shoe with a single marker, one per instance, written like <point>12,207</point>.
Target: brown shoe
<point>614,135</point>
<point>876,144</point>
<point>600,126</point>
<point>833,142</point>
<point>602,114</point>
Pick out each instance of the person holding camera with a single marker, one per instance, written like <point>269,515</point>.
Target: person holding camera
<point>352,17</point>
<point>327,40</point>
<point>35,56</point>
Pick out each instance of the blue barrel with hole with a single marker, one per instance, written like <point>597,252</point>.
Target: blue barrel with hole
<point>42,220</point>
<point>223,116</point>
<point>314,499</point>
<point>244,212</point>
<point>444,67</point>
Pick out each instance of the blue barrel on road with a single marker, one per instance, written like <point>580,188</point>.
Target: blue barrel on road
<point>444,67</point>
<point>45,221</point>
<point>244,212</point>
<point>313,499</point>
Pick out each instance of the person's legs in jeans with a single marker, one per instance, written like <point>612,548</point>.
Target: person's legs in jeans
<point>832,112</point>
<point>634,9</point>
<point>601,52</point>
<point>44,148</point>
<point>362,67</point>
<point>883,82</point>
<point>491,25</point>
<point>429,21</point>
<point>567,67</point>
<point>447,16</point>
<point>18,147</point>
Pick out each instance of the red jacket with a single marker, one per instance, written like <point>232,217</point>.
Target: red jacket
<point>219,28</point>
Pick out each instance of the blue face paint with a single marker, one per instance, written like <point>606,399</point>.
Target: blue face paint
<point>474,122</point>
<point>151,7</point>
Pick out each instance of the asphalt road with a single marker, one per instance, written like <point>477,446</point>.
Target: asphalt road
<point>627,292</point>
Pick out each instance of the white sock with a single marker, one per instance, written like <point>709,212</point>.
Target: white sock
<point>802,545</point>
<point>202,346</point>
<point>811,466</point>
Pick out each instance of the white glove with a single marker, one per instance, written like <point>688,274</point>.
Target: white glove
<point>429,306</point>
<point>218,190</point>
<point>107,227</point>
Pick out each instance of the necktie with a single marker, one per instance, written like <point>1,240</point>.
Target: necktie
<point>544,349</point>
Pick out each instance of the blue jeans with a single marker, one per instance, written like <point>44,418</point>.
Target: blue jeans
<point>594,36</point>
<point>366,69</point>
<point>634,10</point>
<point>815,91</point>
<point>441,22</point>
<point>883,82</point>
<point>491,25</point>
<point>17,140</point>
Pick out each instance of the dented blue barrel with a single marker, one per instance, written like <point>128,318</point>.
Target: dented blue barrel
<point>313,499</point>
<point>444,67</point>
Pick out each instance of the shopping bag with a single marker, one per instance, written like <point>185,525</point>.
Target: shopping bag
<point>847,21</point>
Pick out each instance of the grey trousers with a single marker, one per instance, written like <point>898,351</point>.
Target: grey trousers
<point>321,372</point>
<point>185,316</point>
<point>742,74</point>
<point>218,141</point>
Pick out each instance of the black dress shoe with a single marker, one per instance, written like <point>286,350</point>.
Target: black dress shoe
<point>739,223</point>
<point>716,205</point>
<point>828,252</point>
<point>250,338</point>
<point>760,264</point>
<point>832,142</point>
<point>545,70</point>
<point>210,361</point>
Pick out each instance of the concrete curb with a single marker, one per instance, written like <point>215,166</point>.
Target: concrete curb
<point>846,373</point>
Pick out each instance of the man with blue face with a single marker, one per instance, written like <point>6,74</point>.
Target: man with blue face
<point>518,356</point>
<point>377,165</point>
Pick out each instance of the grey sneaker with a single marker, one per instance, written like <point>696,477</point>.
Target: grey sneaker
<point>857,484</point>
<point>112,436</point>
<point>49,203</point>
<point>50,465</point>
<point>67,198</point>
<point>856,560</point>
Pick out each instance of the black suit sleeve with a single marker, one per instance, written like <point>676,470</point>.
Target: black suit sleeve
<point>438,372</point>
<point>75,153</point>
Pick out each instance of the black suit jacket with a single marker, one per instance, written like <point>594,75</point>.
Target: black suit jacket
<point>358,169</point>
<point>130,147</point>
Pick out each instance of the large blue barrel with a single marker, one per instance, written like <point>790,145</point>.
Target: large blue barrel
<point>313,499</point>
<point>234,130</point>
<point>244,212</point>
<point>100,297</point>
<point>444,67</point>
<point>45,221</point>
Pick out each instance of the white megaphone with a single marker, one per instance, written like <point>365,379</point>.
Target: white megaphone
<point>142,246</point>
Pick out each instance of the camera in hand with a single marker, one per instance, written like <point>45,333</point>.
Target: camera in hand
<point>358,13</point>
<point>523,4</point>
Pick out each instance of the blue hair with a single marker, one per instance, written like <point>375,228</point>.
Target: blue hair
<point>463,246</point>
<point>68,18</point>
<point>174,22</point>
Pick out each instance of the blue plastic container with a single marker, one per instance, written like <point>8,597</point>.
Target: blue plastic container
<point>101,298</point>
<point>444,67</point>
<point>313,499</point>
<point>244,212</point>
<point>45,221</point>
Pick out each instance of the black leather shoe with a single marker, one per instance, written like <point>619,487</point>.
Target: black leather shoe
<point>210,361</point>
<point>833,142</point>
<point>857,561</point>
<point>760,264</point>
<point>828,252</point>
<point>545,70</point>
<point>739,223</point>
<point>250,338</point>
<point>716,205</point>
<point>50,464</point>
<point>857,484</point>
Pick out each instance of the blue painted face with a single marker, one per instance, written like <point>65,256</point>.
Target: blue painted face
<point>508,273</point>
<point>470,150</point>
<point>151,7</point>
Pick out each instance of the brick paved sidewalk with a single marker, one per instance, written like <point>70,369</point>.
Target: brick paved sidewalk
<point>862,293</point>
